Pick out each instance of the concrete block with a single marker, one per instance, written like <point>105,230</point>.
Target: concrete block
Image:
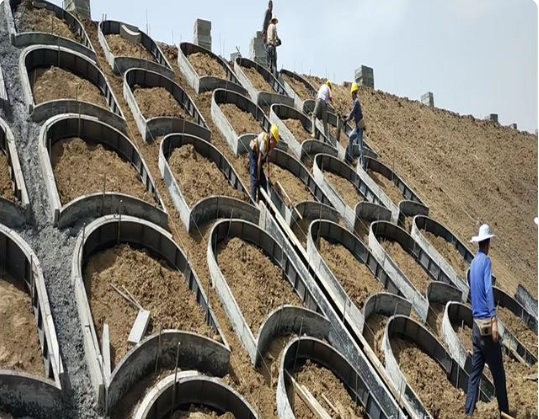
<point>139,327</point>
<point>428,99</point>
<point>202,25</point>
<point>513,125</point>
<point>364,76</point>
<point>493,117</point>
<point>79,7</point>
<point>130,34</point>
<point>234,55</point>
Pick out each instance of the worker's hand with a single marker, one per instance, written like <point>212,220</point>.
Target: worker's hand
<point>495,335</point>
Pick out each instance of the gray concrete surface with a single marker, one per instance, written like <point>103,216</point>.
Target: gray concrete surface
<point>527,301</point>
<point>298,100</point>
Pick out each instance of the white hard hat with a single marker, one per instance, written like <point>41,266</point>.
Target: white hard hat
<point>484,234</point>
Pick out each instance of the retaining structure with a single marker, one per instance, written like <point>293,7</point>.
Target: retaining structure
<point>211,207</point>
<point>196,352</point>
<point>23,394</point>
<point>41,56</point>
<point>282,320</point>
<point>300,350</point>
<point>153,127</point>
<point>411,209</point>
<point>278,95</point>
<point>13,214</point>
<point>310,148</point>
<point>121,64</point>
<point>4,100</point>
<point>366,213</point>
<point>386,304</point>
<point>527,301</point>
<point>440,293</point>
<point>313,210</point>
<point>298,101</point>
<point>201,83</point>
<point>99,203</point>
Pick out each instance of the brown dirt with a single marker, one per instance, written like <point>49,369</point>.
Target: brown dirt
<point>408,223</point>
<point>159,288</point>
<point>257,80</point>
<point>30,19</point>
<point>344,188</point>
<point>200,412</point>
<point>438,316</point>
<point>321,381</point>
<point>256,282</point>
<point>301,90</point>
<point>80,168</point>
<point>354,276</point>
<point>121,47</point>
<point>6,186</point>
<point>518,328</point>
<point>449,252</point>
<point>206,66</point>
<point>296,190</point>
<point>297,129</point>
<point>362,231</point>
<point>373,331</point>
<point>389,188</point>
<point>199,177</point>
<point>56,83</point>
<point>19,341</point>
<point>408,265</point>
<point>157,101</point>
<point>242,122</point>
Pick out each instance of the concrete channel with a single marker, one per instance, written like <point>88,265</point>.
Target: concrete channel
<point>191,388</point>
<point>42,56</point>
<point>200,83</point>
<point>23,394</point>
<point>298,101</point>
<point>151,128</point>
<point>196,351</point>
<point>91,206</point>
<point>211,207</point>
<point>13,214</point>
<point>303,349</point>
<point>121,64</point>
<point>527,301</point>
<point>278,95</point>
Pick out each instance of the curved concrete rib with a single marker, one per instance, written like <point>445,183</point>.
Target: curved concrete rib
<point>310,148</point>
<point>411,209</point>
<point>284,319</point>
<point>278,95</point>
<point>13,214</point>
<point>527,301</point>
<point>23,394</point>
<point>121,64</point>
<point>96,204</point>
<point>200,352</point>
<point>366,213</point>
<point>194,389</point>
<point>386,304</point>
<point>298,101</point>
<point>151,128</point>
<point>303,349</point>
<point>201,84</point>
<point>40,56</point>
<point>229,206</point>
<point>440,293</point>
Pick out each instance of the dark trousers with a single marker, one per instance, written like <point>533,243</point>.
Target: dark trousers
<point>485,350</point>
<point>356,138</point>
<point>253,171</point>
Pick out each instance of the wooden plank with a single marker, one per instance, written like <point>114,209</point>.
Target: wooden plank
<point>139,327</point>
<point>309,399</point>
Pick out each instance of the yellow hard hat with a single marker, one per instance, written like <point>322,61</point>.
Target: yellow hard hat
<point>275,132</point>
<point>354,88</point>
<point>328,83</point>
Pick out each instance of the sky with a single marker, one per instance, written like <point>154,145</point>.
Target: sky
<point>477,56</point>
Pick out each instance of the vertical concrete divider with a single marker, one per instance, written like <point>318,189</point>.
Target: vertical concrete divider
<point>366,213</point>
<point>4,100</point>
<point>527,301</point>
<point>299,102</point>
<point>152,127</point>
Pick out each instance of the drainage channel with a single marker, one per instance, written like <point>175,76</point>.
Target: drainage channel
<point>15,210</point>
<point>524,297</point>
<point>265,91</point>
<point>211,207</point>
<point>297,88</point>
<point>304,353</point>
<point>23,393</point>
<point>101,202</point>
<point>159,350</point>
<point>132,35</point>
<point>39,57</point>
<point>206,82</point>
<point>23,38</point>
<point>152,126</point>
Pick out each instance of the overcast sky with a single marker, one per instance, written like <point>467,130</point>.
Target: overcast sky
<point>476,56</point>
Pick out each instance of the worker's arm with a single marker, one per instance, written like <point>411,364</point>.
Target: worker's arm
<point>490,298</point>
<point>352,112</point>
<point>267,18</point>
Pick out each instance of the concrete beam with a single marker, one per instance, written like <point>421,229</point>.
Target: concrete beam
<point>4,100</point>
<point>364,76</point>
<point>427,99</point>
<point>527,301</point>
<point>298,101</point>
<point>492,117</point>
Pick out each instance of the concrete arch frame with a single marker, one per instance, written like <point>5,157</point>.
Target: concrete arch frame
<point>527,301</point>
<point>366,213</point>
<point>121,64</point>
<point>409,209</point>
<point>298,101</point>
<point>440,293</point>
<point>314,211</point>
<point>96,204</point>
<point>284,319</point>
<point>310,148</point>
<point>201,84</point>
<point>386,304</point>
<point>196,351</point>
<point>192,388</point>
<point>24,394</point>
<point>278,95</point>
<point>13,214</point>
<point>213,206</point>
<point>24,39</point>
<point>39,56</point>
<point>151,128</point>
<point>302,349</point>
<point>4,100</point>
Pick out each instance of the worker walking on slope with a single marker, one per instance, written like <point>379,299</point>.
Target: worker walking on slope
<point>486,345</point>
<point>323,99</point>
<point>267,20</point>
<point>260,148</point>
<point>273,41</point>
<point>356,136</point>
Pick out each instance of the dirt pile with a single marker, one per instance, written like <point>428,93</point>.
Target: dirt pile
<point>200,412</point>
<point>159,288</point>
<point>296,190</point>
<point>154,102</point>
<point>449,252</point>
<point>242,122</point>
<point>518,328</point>
<point>199,177</point>
<point>6,187</point>
<point>344,188</point>
<point>258,81</point>
<point>257,283</point>
<point>121,47</point>
<point>297,129</point>
<point>373,331</point>
<point>81,168</point>
<point>389,188</point>
<point>206,66</point>
<point>301,90</point>
<point>56,83</point>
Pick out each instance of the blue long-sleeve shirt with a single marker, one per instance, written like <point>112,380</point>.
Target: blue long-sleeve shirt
<point>356,114</point>
<point>481,287</point>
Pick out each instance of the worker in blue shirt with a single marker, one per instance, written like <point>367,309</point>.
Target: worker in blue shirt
<point>356,136</point>
<point>486,344</point>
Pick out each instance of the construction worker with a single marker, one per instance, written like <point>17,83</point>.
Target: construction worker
<point>273,41</point>
<point>356,136</point>
<point>486,344</point>
<point>260,148</point>
<point>267,19</point>
<point>323,99</point>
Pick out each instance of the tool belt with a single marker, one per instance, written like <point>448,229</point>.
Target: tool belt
<point>484,326</point>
